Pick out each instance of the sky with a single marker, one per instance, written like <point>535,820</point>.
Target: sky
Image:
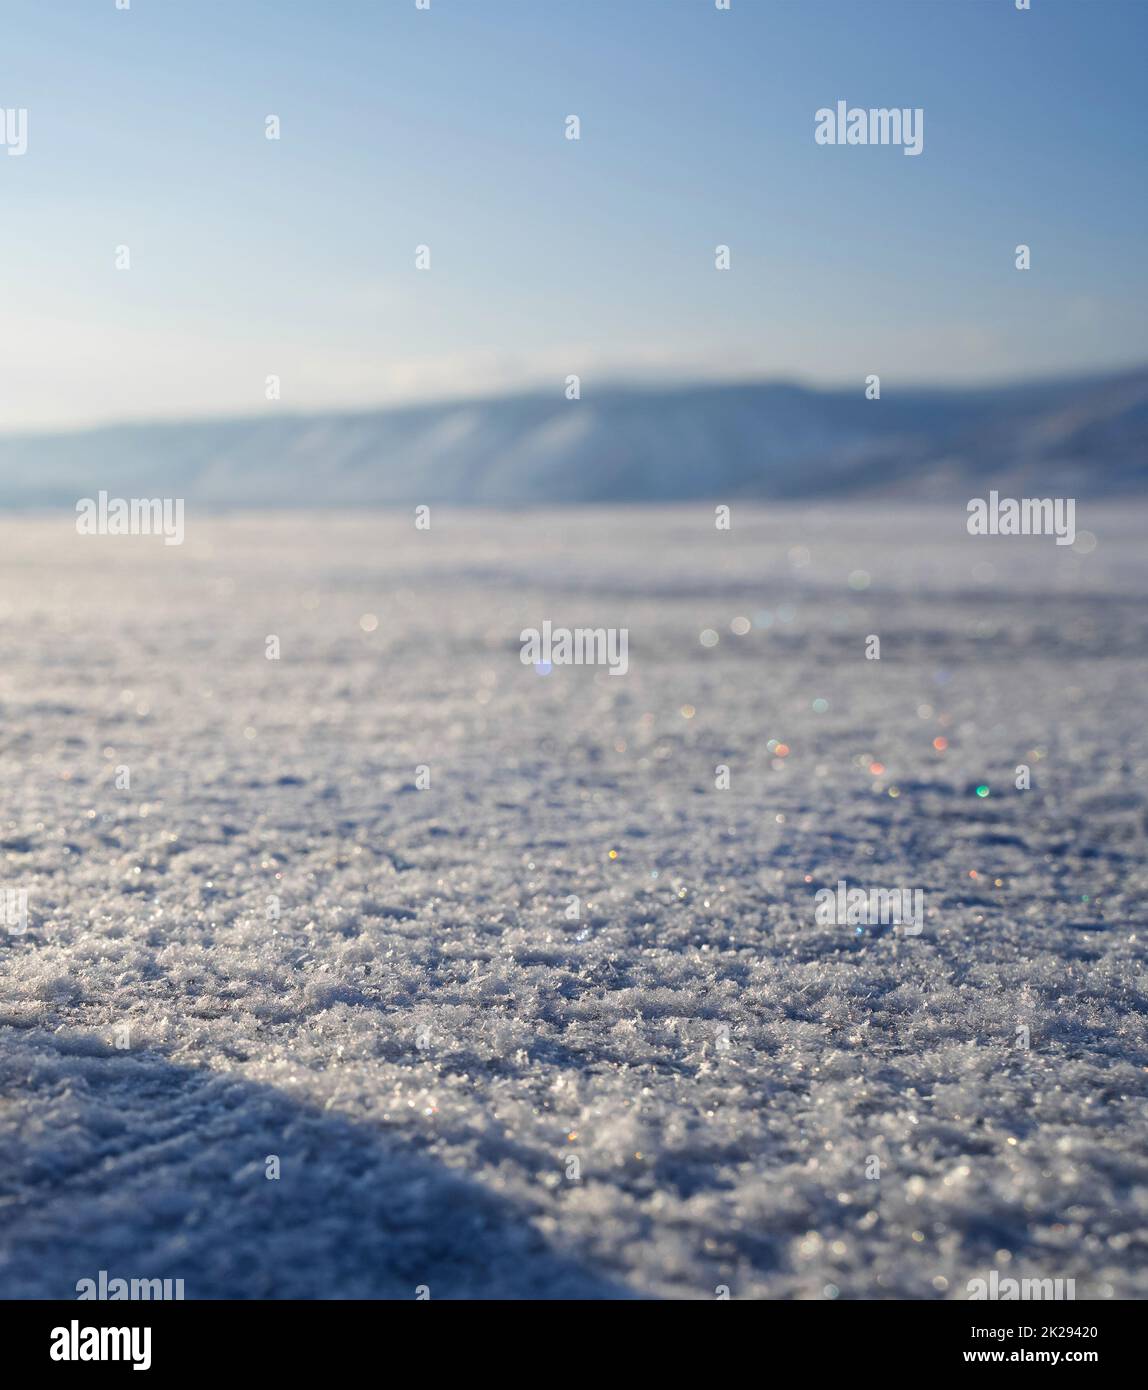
<point>445,127</point>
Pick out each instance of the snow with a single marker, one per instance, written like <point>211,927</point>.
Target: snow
<point>423,1037</point>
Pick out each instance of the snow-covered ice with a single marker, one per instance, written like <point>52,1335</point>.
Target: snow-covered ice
<point>426,1040</point>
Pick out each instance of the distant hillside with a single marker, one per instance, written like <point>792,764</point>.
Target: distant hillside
<point>1079,437</point>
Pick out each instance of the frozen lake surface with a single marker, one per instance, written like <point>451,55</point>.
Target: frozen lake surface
<point>691,1086</point>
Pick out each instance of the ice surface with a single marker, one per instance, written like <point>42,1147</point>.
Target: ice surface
<point>425,1040</point>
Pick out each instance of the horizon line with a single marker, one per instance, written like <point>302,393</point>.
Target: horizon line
<point>614,386</point>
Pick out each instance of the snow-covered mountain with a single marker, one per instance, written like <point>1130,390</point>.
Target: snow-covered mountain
<point>1080,436</point>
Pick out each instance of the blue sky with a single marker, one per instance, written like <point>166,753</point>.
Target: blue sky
<point>399,127</point>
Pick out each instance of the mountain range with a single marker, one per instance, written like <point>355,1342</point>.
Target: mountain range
<point>1078,436</point>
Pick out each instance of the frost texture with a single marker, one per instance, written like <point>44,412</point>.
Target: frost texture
<point>423,1037</point>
